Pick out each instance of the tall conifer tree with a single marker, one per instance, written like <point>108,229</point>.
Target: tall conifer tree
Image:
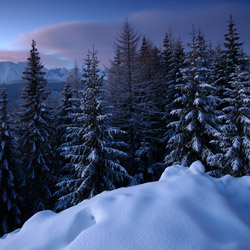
<point>194,124</point>
<point>36,136</point>
<point>10,174</point>
<point>235,142</point>
<point>126,45</point>
<point>94,156</point>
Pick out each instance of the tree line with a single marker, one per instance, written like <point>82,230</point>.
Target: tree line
<point>154,108</point>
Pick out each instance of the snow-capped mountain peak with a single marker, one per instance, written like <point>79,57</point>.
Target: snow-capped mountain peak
<point>11,72</point>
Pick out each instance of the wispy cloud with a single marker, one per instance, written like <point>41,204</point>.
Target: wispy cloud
<point>71,41</point>
<point>13,56</point>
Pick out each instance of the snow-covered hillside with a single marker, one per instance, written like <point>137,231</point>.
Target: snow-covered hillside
<point>57,75</point>
<point>12,72</point>
<point>185,210</point>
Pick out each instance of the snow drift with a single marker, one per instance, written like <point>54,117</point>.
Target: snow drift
<point>185,209</point>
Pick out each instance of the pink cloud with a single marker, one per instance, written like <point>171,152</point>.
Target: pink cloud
<point>13,56</point>
<point>71,41</point>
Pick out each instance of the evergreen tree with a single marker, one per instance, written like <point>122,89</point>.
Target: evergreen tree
<point>227,61</point>
<point>36,136</point>
<point>176,66</point>
<point>114,88</point>
<point>168,78</point>
<point>126,45</point>
<point>65,114</point>
<point>148,107</point>
<point>234,141</point>
<point>143,112</point>
<point>233,48</point>
<point>195,125</point>
<point>219,75</point>
<point>10,200</point>
<point>93,155</point>
<point>166,55</point>
<point>158,96</point>
<point>65,119</point>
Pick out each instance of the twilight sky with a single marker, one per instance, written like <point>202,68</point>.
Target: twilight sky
<point>65,29</point>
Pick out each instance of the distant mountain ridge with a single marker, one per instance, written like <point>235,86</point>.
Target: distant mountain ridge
<point>11,72</point>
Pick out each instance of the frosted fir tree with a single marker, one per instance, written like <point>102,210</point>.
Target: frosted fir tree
<point>234,102</point>
<point>65,119</point>
<point>148,107</point>
<point>227,61</point>
<point>167,73</point>
<point>176,109</point>
<point>94,155</point>
<point>142,112</point>
<point>235,140</point>
<point>170,66</point>
<point>65,114</point>
<point>195,125</point>
<point>233,48</point>
<point>176,65</point>
<point>36,136</point>
<point>219,76</point>
<point>10,174</point>
<point>166,61</point>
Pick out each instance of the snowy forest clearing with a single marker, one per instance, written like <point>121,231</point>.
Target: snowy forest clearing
<point>202,213</point>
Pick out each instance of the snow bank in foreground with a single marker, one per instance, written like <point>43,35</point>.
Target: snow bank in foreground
<point>186,209</point>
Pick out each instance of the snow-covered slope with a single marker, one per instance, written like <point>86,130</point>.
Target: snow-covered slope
<point>56,75</point>
<point>185,210</point>
<point>12,72</point>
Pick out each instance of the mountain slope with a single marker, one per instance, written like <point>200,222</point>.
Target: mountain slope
<point>12,72</point>
<point>185,210</point>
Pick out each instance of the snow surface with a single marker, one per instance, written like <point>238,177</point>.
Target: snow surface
<point>185,209</point>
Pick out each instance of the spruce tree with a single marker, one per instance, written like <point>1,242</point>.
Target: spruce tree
<point>65,119</point>
<point>36,136</point>
<point>142,112</point>
<point>234,141</point>
<point>194,124</point>
<point>10,174</point>
<point>94,156</point>
<point>65,114</point>
<point>219,76</point>
<point>226,63</point>
<point>168,77</point>
<point>148,107</point>
<point>233,48</point>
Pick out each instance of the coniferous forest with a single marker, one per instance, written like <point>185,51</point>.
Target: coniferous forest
<point>154,107</point>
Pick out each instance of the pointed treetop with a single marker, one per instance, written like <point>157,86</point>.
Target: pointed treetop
<point>127,35</point>
<point>233,48</point>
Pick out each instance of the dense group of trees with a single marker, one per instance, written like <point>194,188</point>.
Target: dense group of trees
<point>153,109</point>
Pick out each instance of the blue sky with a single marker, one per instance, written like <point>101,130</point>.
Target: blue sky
<point>64,30</point>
